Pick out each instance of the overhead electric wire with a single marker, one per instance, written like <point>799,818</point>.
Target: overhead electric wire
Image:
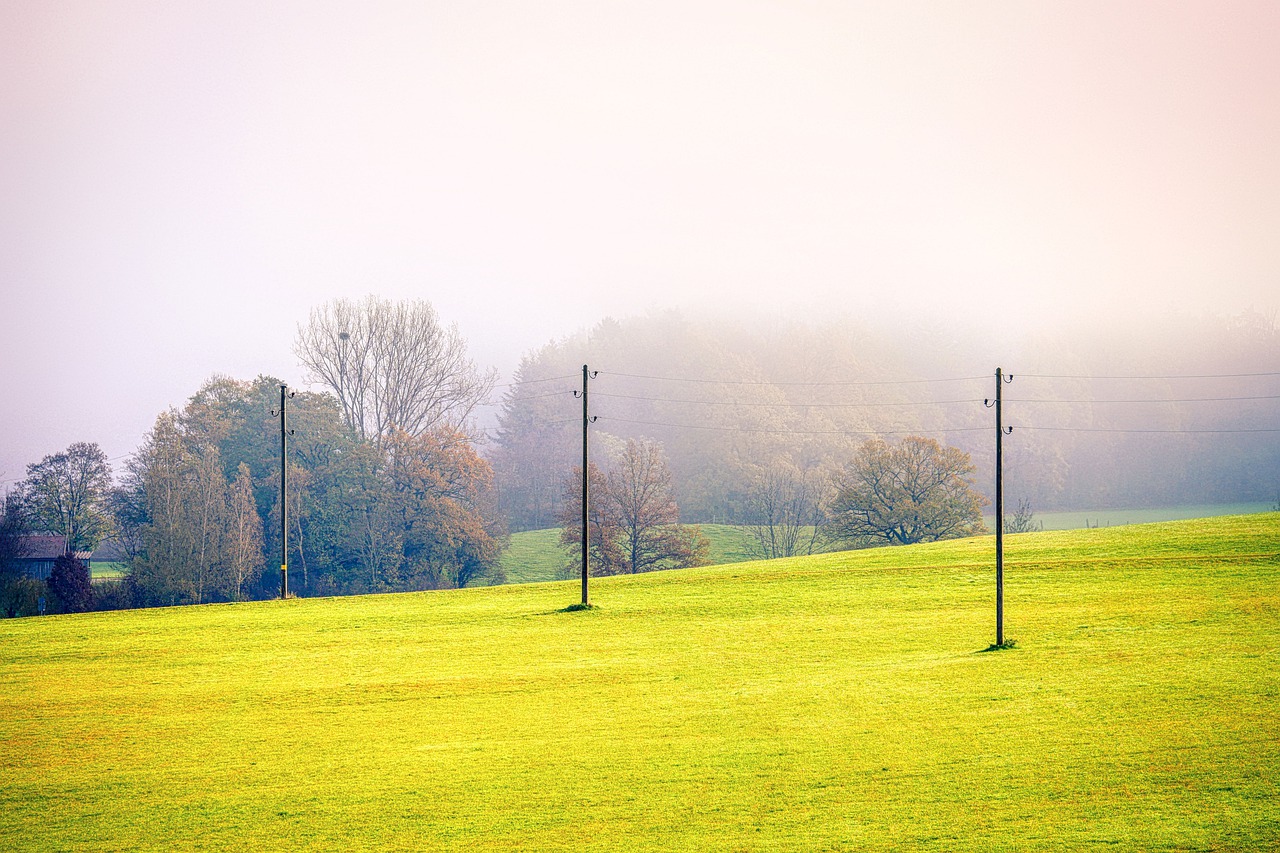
<point>1154,431</point>
<point>1156,400</point>
<point>783,404</point>
<point>793,384</point>
<point>514,383</point>
<point>1121,378</point>
<point>790,431</point>
<point>561,393</point>
<point>789,405</point>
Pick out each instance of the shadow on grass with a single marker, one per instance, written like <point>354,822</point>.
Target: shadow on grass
<point>574,608</point>
<point>1000,647</point>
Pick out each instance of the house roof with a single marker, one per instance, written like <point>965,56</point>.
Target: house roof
<point>43,547</point>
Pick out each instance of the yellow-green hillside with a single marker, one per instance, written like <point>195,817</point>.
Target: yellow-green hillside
<point>827,703</point>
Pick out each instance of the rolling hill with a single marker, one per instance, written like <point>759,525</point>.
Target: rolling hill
<point>842,701</point>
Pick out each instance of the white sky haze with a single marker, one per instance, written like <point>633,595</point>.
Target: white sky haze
<point>181,182</point>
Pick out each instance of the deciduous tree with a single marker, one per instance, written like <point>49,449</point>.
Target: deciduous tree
<point>65,494</point>
<point>19,594</point>
<point>183,552</point>
<point>392,365</point>
<point>786,505</point>
<point>244,556</point>
<point>437,483</point>
<point>634,521</point>
<point>915,491</point>
<point>604,527</point>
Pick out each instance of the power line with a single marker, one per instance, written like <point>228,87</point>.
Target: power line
<point>494,434</point>
<point>545,396</point>
<point>1183,376</point>
<point>782,405</point>
<point>1154,431</point>
<point>793,384</point>
<point>790,431</point>
<point>1156,400</point>
<point>515,384</point>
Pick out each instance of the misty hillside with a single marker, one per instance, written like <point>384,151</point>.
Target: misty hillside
<point>1180,411</point>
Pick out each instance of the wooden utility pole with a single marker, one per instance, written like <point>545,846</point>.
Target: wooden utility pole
<point>1001,432</point>
<point>284,496</point>
<point>586,527</point>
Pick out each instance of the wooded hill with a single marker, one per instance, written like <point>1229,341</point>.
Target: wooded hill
<point>1102,416</point>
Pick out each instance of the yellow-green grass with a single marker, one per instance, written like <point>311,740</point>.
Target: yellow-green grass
<point>839,702</point>
<point>536,555</point>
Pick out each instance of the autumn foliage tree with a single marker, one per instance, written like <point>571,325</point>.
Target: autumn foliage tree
<point>437,486</point>
<point>633,520</point>
<point>914,491</point>
<point>200,502</point>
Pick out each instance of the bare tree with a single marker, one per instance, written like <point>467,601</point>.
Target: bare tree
<point>392,365</point>
<point>1023,519</point>
<point>787,508</point>
<point>635,524</point>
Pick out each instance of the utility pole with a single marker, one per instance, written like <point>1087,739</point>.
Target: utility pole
<point>284,495</point>
<point>586,526</point>
<point>587,420</point>
<point>1001,432</point>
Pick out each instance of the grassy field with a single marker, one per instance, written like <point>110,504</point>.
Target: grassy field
<point>1084,519</point>
<point>536,555</point>
<point>109,571</point>
<point>840,702</point>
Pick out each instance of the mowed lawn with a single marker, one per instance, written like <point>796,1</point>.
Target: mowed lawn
<point>839,702</point>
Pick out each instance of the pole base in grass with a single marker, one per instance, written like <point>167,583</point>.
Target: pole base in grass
<point>1000,647</point>
<point>574,608</point>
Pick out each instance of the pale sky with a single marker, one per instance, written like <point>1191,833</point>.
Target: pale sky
<point>181,182</point>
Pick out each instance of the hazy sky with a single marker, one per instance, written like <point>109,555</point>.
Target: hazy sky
<point>181,182</point>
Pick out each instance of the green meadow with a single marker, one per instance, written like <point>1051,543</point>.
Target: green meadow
<point>535,555</point>
<point>837,702</point>
<point>1118,517</point>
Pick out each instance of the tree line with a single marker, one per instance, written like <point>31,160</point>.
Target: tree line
<point>387,490</point>
<point>811,437</point>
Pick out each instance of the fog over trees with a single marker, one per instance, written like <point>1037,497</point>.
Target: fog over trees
<point>1102,417</point>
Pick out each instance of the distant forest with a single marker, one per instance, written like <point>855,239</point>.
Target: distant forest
<point>1106,416</point>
